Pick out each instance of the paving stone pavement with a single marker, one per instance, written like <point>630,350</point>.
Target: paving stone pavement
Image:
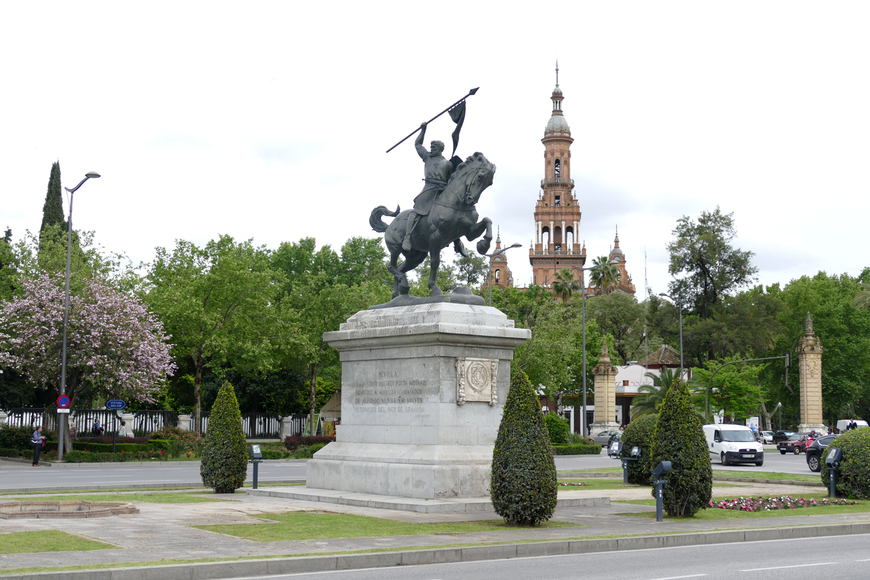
<point>164,532</point>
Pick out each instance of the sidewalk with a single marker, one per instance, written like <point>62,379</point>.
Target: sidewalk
<point>162,532</point>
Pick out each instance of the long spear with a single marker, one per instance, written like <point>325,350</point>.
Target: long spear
<point>471,92</point>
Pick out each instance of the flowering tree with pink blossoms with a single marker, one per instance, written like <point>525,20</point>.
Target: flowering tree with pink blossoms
<point>115,347</point>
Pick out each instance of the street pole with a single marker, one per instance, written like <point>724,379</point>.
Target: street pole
<point>489,274</point>
<point>62,417</point>
<point>680,309</point>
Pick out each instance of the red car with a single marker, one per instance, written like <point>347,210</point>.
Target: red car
<point>796,444</point>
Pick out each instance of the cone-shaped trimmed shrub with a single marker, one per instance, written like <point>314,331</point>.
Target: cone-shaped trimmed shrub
<point>854,478</point>
<point>224,456</point>
<point>679,438</point>
<point>523,486</point>
<point>640,432</point>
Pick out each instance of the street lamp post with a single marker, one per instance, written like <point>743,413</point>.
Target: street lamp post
<point>680,309</point>
<point>489,274</point>
<point>583,325</point>
<point>62,418</point>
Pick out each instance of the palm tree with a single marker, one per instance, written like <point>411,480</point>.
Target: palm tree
<point>564,284</point>
<point>653,395</point>
<point>862,299</point>
<point>604,276</point>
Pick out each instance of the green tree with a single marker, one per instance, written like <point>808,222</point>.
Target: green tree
<point>224,456</point>
<point>679,438</point>
<point>471,271</point>
<point>8,267</point>
<point>52,209</point>
<point>564,284</point>
<point>604,276</point>
<point>711,267</point>
<point>735,390</point>
<point>220,305</point>
<point>523,486</point>
<point>620,316</point>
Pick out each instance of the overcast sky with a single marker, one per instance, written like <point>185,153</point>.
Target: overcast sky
<point>270,120</point>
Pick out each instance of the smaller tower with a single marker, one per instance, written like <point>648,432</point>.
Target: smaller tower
<point>616,254</point>
<point>499,273</point>
<point>809,353</point>
<point>605,393</point>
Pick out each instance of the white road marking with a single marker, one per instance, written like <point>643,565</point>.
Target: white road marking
<point>785,567</point>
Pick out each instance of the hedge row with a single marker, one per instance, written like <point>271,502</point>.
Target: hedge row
<point>577,449</point>
<point>295,441</point>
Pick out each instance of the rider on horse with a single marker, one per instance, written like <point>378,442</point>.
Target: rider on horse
<point>436,172</point>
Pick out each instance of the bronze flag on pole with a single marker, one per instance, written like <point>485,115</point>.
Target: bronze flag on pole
<point>459,107</point>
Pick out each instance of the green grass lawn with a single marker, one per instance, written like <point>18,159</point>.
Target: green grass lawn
<point>47,541</point>
<point>296,526</point>
<point>863,506</point>
<point>595,483</point>
<point>815,478</point>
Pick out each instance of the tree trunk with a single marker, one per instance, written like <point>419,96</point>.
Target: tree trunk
<point>197,385</point>
<point>312,401</point>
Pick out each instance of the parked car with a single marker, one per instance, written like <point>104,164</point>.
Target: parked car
<point>795,444</point>
<point>782,435</point>
<point>815,451</point>
<point>605,437</point>
<point>733,444</point>
<point>765,437</point>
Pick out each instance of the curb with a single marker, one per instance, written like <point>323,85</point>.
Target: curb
<point>308,564</point>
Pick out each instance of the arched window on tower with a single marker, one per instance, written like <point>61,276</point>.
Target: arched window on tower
<point>557,169</point>
<point>497,277</point>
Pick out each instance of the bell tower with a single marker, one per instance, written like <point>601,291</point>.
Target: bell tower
<point>557,214</point>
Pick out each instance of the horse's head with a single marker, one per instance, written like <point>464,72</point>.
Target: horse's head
<point>471,178</point>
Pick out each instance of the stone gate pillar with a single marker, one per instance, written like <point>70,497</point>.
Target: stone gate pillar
<point>604,418</point>
<point>809,353</point>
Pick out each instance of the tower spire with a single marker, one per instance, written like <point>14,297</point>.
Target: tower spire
<point>557,72</point>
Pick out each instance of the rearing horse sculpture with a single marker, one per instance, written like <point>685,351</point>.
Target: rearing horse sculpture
<point>451,216</point>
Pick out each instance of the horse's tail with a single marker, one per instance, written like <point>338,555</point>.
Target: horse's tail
<point>375,219</point>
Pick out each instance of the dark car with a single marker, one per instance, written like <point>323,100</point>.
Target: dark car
<point>782,435</point>
<point>815,451</point>
<point>795,444</point>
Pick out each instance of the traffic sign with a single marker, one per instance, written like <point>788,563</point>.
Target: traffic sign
<point>116,404</point>
<point>62,411</point>
<point>63,401</point>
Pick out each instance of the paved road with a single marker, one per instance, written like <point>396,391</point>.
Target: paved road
<point>802,559</point>
<point>22,476</point>
<point>773,462</point>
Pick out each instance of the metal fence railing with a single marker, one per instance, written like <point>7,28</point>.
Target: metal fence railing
<point>254,425</point>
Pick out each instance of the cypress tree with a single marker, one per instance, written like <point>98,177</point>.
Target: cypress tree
<point>679,438</point>
<point>52,209</point>
<point>523,485</point>
<point>224,456</point>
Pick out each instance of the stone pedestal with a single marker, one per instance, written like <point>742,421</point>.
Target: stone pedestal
<point>183,422</point>
<point>604,418</point>
<point>810,365</point>
<point>422,394</point>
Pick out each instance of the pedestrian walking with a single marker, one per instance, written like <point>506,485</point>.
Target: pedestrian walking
<point>38,442</point>
<point>122,432</point>
<point>97,430</point>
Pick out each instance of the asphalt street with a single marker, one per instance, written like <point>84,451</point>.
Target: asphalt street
<point>798,559</point>
<point>23,477</point>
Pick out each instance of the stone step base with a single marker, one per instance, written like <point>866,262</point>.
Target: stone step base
<point>424,506</point>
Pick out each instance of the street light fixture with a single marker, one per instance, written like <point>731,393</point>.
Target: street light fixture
<point>489,274</point>
<point>680,309</point>
<point>583,300</point>
<point>62,418</point>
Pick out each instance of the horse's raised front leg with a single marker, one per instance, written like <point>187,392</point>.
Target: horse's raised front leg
<point>460,248</point>
<point>483,225</point>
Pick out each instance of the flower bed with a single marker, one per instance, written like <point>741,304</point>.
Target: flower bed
<point>783,502</point>
<point>565,483</point>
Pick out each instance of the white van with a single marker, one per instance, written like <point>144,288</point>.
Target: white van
<point>733,444</point>
<point>843,424</point>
